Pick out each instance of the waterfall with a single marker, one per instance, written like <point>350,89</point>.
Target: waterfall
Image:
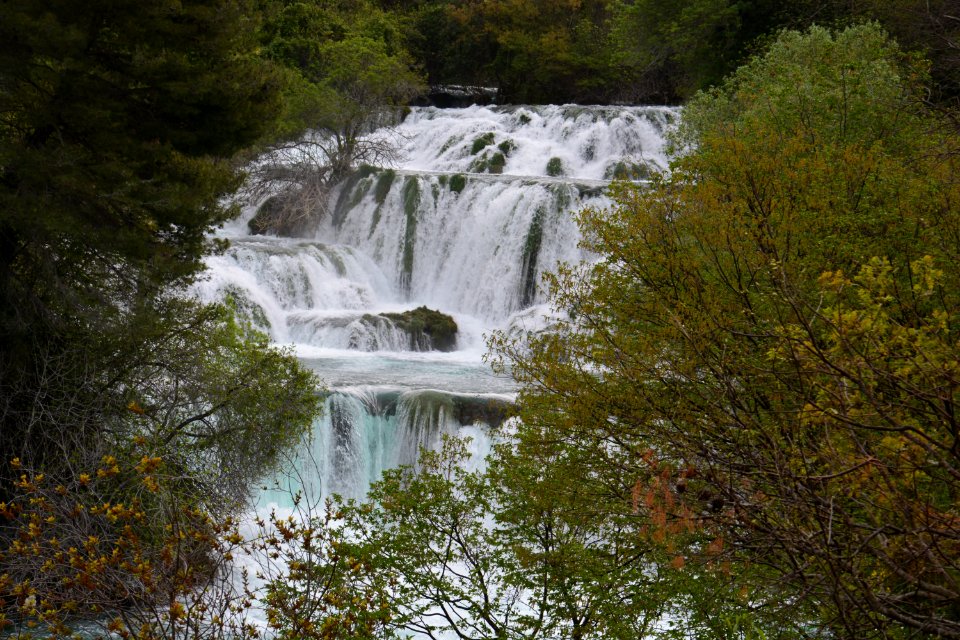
<point>366,430</point>
<point>477,209</point>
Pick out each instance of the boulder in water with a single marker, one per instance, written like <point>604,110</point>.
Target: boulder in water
<point>481,410</point>
<point>427,327</point>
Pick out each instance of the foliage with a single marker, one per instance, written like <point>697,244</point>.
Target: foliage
<point>148,459</point>
<point>428,328</point>
<point>676,47</point>
<point>642,50</point>
<point>325,588</point>
<point>347,75</point>
<point>115,552</point>
<point>112,121</point>
<point>513,550</point>
<point>117,123</point>
<point>456,559</point>
<point>772,326</point>
<point>539,51</point>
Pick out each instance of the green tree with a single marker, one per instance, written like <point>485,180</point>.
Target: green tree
<point>348,75</point>
<point>511,551</point>
<point>117,126</point>
<point>772,324</point>
<point>114,121</point>
<point>541,51</point>
<point>671,49</point>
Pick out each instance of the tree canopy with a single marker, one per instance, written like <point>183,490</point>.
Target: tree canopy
<point>643,50</point>
<point>133,419</point>
<point>766,341</point>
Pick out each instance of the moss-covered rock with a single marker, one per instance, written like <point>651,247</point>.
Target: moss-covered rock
<point>384,182</point>
<point>530,258</point>
<point>481,410</point>
<point>352,191</point>
<point>555,167</point>
<point>245,308</point>
<point>479,144</point>
<point>428,329</point>
<point>496,163</point>
<point>458,182</point>
<point>411,202</point>
<point>489,163</point>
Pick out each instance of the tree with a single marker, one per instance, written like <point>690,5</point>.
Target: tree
<point>539,51</point>
<point>348,75</point>
<point>510,551</point>
<point>673,49</point>
<point>772,325</point>
<point>117,125</point>
<point>114,121</point>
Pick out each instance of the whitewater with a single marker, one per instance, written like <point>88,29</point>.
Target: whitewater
<point>478,207</point>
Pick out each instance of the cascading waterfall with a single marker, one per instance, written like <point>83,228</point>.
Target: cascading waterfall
<point>479,207</point>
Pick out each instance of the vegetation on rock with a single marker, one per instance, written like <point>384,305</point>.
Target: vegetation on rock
<point>427,327</point>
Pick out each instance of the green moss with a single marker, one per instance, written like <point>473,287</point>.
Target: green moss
<point>489,164</point>
<point>384,182</point>
<point>496,164</point>
<point>507,147</point>
<point>481,143</point>
<point>555,167</point>
<point>530,257</point>
<point>350,196</point>
<point>442,179</point>
<point>411,202</point>
<point>562,197</point>
<point>337,263</point>
<point>449,143</point>
<point>360,192</point>
<point>365,171</point>
<point>428,329</point>
<point>458,182</point>
<point>523,119</point>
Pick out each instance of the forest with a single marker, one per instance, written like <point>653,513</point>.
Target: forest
<point>738,423</point>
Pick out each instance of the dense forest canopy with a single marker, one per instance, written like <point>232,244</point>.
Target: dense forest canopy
<point>591,51</point>
<point>744,423</point>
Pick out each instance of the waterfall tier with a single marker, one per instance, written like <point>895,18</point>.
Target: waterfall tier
<point>479,205</point>
<point>365,430</point>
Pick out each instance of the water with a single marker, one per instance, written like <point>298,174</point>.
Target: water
<point>477,209</point>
